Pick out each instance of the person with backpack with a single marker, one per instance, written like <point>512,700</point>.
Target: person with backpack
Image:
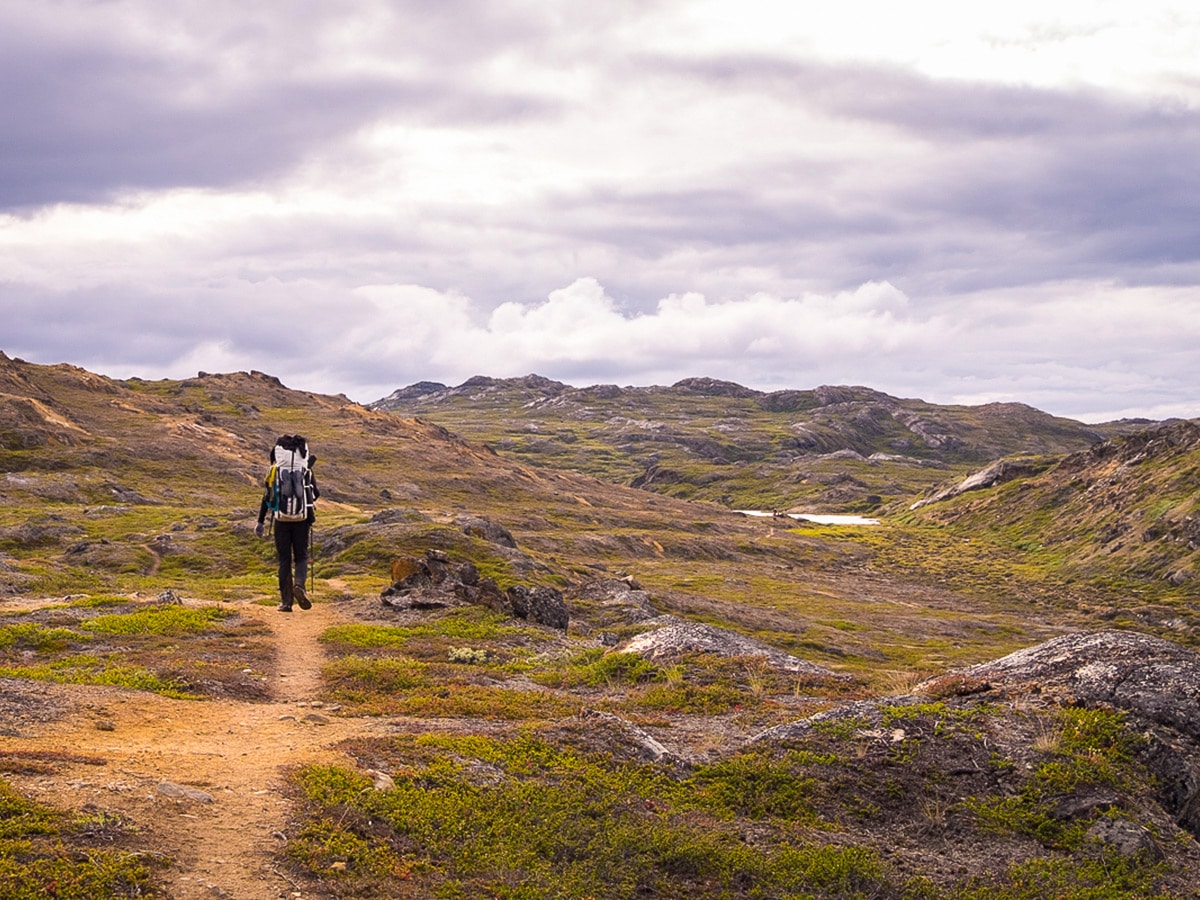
<point>290,497</point>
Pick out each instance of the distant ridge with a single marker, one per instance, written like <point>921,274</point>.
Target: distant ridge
<point>708,439</point>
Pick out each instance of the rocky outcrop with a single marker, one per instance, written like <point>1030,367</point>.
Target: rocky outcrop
<point>673,637</point>
<point>1160,441</point>
<point>628,736</point>
<point>487,530</point>
<point>623,596</point>
<point>997,473</point>
<point>1152,678</point>
<point>1155,681</point>
<point>712,387</point>
<point>543,605</point>
<point>412,392</point>
<point>865,715</point>
<point>27,423</point>
<point>434,581</point>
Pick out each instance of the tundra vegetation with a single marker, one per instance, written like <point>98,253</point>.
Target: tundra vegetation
<point>522,761</point>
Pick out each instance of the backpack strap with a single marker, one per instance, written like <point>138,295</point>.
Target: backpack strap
<point>273,490</point>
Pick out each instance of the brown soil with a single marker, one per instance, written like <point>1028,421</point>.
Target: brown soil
<point>230,751</point>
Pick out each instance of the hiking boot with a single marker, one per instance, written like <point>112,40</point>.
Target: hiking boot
<point>300,597</point>
<point>285,607</point>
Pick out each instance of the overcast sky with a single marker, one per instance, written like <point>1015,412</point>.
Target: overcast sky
<point>962,202</point>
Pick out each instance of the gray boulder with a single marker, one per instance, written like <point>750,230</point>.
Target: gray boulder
<point>543,605</point>
<point>998,472</point>
<point>1155,679</point>
<point>487,530</point>
<point>675,637</point>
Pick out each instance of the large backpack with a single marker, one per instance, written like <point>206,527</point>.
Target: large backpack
<point>289,483</point>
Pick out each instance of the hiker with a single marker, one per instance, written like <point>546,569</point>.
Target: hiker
<point>289,496</point>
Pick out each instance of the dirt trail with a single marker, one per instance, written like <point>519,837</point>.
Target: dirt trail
<point>201,779</point>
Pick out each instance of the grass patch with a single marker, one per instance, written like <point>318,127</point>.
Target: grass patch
<point>84,669</point>
<point>760,785</point>
<point>474,625</point>
<point>35,637</point>
<point>168,620</point>
<point>404,686</point>
<point>597,668</point>
<point>170,649</point>
<point>698,684</point>
<point>1108,877</point>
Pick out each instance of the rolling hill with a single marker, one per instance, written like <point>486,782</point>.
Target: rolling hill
<point>831,449</point>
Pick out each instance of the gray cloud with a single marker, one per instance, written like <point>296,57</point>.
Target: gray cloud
<point>87,119</point>
<point>501,188</point>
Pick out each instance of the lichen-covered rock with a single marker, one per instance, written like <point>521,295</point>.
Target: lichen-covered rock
<point>645,746</point>
<point>618,600</point>
<point>1153,678</point>
<point>543,605</point>
<point>675,637</point>
<point>487,530</point>
<point>1127,838</point>
<point>1155,681</point>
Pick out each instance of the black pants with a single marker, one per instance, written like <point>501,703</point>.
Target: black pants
<point>291,542</point>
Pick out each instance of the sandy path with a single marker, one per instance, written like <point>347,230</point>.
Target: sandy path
<point>230,751</point>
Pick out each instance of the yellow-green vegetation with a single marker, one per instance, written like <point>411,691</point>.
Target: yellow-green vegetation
<point>471,624</point>
<point>393,685</point>
<point>170,620</point>
<point>186,652</point>
<point>1109,876</point>
<point>527,817</point>
<point>82,668</point>
<point>48,854</point>
<point>572,811</point>
<point>496,640</point>
<point>1091,748</point>
<point>694,684</point>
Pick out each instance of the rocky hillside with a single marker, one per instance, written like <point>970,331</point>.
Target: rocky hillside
<point>828,449</point>
<point>1125,509</point>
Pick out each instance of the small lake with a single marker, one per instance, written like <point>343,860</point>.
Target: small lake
<point>818,518</point>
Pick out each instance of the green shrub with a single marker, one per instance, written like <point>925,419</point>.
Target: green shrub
<point>35,863</point>
<point>759,785</point>
<point>84,669</point>
<point>36,637</point>
<point>356,677</point>
<point>167,619</point>
<point>595,668</point>
<point>475,624</point>
<point>1093,747</point>
<point>547,821</point>
<point>1108,877</point>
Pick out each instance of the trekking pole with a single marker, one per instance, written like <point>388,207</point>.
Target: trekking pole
<point>312,561</point>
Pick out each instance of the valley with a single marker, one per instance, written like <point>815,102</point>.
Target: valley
<point>444,745</point>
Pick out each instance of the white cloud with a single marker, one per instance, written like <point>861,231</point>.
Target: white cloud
<point>1121,44</point>
<point>934,199</point>
<point>580,329</point>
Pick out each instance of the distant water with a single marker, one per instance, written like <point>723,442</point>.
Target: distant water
<point>812,517</point>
